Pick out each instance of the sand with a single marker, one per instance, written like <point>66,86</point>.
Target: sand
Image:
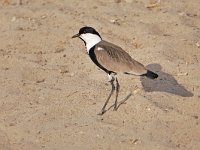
<point>51,92</point>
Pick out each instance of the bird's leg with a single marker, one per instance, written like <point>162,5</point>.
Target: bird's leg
<point>107,100</point>
<point>117,91</point>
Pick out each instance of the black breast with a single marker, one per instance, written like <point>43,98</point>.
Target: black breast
<point>94,59</point>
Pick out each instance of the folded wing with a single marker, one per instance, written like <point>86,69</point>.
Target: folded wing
<point>115,59</point>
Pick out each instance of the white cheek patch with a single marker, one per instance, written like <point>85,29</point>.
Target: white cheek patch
<point>90,39</point>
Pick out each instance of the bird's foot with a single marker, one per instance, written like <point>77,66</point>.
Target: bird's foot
<point>115,107</point>
<point>102,112</point>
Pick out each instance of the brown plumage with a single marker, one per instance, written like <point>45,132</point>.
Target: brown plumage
<point>115,59</point>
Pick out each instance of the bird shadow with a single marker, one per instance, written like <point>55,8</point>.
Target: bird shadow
<point>164,83</point>
<point>119,103</point>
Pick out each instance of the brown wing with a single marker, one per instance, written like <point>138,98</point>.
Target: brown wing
<point>115,59</point>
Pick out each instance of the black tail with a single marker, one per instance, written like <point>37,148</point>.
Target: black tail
<point>150,74</point>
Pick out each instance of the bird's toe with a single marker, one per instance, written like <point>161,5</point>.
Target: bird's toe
<point>115,108</point>
<point>102,112</point>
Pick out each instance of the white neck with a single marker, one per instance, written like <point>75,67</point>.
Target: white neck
<point>90,40</point>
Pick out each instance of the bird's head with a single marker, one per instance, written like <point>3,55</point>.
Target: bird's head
<point>89,35</point>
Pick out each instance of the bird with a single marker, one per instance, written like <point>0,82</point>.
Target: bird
<point>112,59</point>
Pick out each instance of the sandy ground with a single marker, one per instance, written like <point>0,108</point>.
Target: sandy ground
<point>51,92</point>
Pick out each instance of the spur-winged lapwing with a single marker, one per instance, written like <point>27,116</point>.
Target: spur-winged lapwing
<point>112,59</point>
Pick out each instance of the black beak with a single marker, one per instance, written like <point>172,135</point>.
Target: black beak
<point>76,35</point>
